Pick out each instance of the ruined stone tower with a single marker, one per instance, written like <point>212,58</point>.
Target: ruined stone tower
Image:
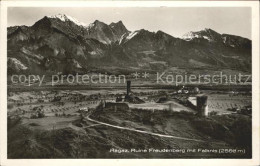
<point>202,105</point>
<point>128,89</point>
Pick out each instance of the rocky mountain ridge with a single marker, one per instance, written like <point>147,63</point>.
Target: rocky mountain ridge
<point>62,44</point>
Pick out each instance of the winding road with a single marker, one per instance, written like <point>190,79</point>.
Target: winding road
<point>141,131</point>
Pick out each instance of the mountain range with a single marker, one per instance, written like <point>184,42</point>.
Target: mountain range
<point>62,44</point>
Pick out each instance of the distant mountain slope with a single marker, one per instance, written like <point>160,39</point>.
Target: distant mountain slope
<point>62,44</point>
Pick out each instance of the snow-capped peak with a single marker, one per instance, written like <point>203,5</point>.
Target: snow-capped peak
<point>91,25</point>
<point>64,18</point>
<point>189,36</point>
<point>127,36</point>
<point>131,35</point>
<point>207,34</point>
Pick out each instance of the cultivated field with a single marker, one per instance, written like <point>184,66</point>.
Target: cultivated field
<point>68,124</point>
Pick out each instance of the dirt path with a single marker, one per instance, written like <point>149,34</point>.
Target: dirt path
<point>144,132</point>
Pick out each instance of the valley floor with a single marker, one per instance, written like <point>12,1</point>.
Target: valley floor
<point>142,131</point>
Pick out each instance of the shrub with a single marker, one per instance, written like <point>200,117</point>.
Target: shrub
<point>212,113</point>
<point>41,114</point>
<point>33,116</point>
<point>10,106</point>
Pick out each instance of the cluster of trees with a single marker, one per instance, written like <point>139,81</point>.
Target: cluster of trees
<point>63,114</point>
<point>39,113</point>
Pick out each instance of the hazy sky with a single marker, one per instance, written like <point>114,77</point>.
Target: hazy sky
<point>172,20</point>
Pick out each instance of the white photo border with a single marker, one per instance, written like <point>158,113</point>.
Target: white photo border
<point>254,5</point>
